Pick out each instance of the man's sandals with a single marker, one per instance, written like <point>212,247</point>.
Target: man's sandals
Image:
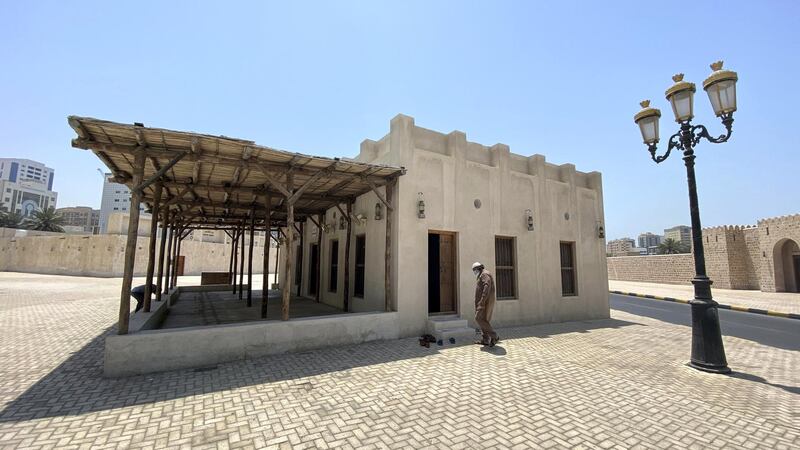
<point>491,342</point>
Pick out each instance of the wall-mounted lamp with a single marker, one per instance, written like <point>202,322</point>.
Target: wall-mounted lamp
<point>342,223</point>
<point>601,230</point>
<point>529,219</point>
<point>420,205</point>
<point>378,211</point>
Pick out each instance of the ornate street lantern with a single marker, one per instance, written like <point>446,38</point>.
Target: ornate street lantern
<point>647,119</point>
<point>681,97</point>
<point>708,351</point>
<point>721,89</point>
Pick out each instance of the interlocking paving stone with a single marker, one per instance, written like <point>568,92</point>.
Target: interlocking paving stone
<point>618,383</point>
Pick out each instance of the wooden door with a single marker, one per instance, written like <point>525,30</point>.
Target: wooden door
<point>446,273</point>
<point>181,262</point>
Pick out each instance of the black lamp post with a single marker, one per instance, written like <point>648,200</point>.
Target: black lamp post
<point>708,352</point>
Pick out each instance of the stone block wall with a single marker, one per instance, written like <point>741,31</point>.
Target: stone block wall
<point>715,243</point>
<point>669,269</point>
<point>102,255</point>
<point>754,257</point>
<point>737,257</point>
<point>772,234</point>
<point>727,260</point>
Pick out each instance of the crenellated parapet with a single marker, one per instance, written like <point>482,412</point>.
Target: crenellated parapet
<point>726,228</point>
<point>790,218</point>
<point>456,145</point>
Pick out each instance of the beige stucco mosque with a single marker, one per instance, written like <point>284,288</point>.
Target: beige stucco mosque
<point>537,226</point>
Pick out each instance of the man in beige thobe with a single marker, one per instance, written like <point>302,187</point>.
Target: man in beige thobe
<point>484,304</point>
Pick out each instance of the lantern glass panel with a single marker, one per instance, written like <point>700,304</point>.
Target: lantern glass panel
<point>683,105</point>
<point>649,128</point>
<point>723,96</point>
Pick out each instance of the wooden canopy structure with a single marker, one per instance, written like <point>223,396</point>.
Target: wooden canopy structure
<point>198,181</point>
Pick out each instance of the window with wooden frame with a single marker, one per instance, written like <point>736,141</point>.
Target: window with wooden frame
<point>361,258</point>
<point>333,278</point>
<point>505,260</point>
<point>569,285</point>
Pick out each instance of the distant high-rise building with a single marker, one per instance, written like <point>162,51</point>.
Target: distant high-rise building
<point>648,240</point>
<point>116,199</point>
<point>620,247</point>
<point>680,233</point>
<point>81,216</point>
<point>25,186</point>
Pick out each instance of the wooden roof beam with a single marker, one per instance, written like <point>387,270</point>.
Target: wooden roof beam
<point>299,192</point>
<point>274,183</point>
<point>118,173</point>
<point>250,190</point>
<point>76,125</point>
<point>160,173</point>
<point>193,205</point>
<point>177,197</point>
<point>196,172</point>
<point>374,188</point>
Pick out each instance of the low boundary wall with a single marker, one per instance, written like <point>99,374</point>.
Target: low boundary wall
<point>148,351</point>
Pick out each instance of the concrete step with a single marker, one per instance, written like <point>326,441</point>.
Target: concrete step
<point>461,335</point>
<point>446,323</point>
<point>446,327</point>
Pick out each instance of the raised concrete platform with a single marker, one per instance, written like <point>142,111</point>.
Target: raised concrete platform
<point>201,326</point>
<point>161,350</point>
<point>219,306</point>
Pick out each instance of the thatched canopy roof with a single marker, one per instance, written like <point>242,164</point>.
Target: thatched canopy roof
<point>218,180</point>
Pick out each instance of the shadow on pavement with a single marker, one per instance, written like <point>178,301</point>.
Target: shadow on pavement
<point>497,350</point>
<point>77,386</point>
<point>552,329</point>
<point>757,379</point>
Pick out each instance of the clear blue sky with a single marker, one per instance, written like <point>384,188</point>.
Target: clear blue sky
<point>558,78</point>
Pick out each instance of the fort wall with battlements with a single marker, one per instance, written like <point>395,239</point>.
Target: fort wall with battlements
<point>762,257</point>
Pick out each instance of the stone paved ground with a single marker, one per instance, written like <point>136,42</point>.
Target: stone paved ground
<point>618,383</point>
<point>787,302</point>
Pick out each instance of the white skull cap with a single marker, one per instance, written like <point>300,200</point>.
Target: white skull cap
<point>476,264</point>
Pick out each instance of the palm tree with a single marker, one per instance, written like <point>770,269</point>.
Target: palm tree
<point>45,220</point>
<point>10,219</point>
<point>670,246</point>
